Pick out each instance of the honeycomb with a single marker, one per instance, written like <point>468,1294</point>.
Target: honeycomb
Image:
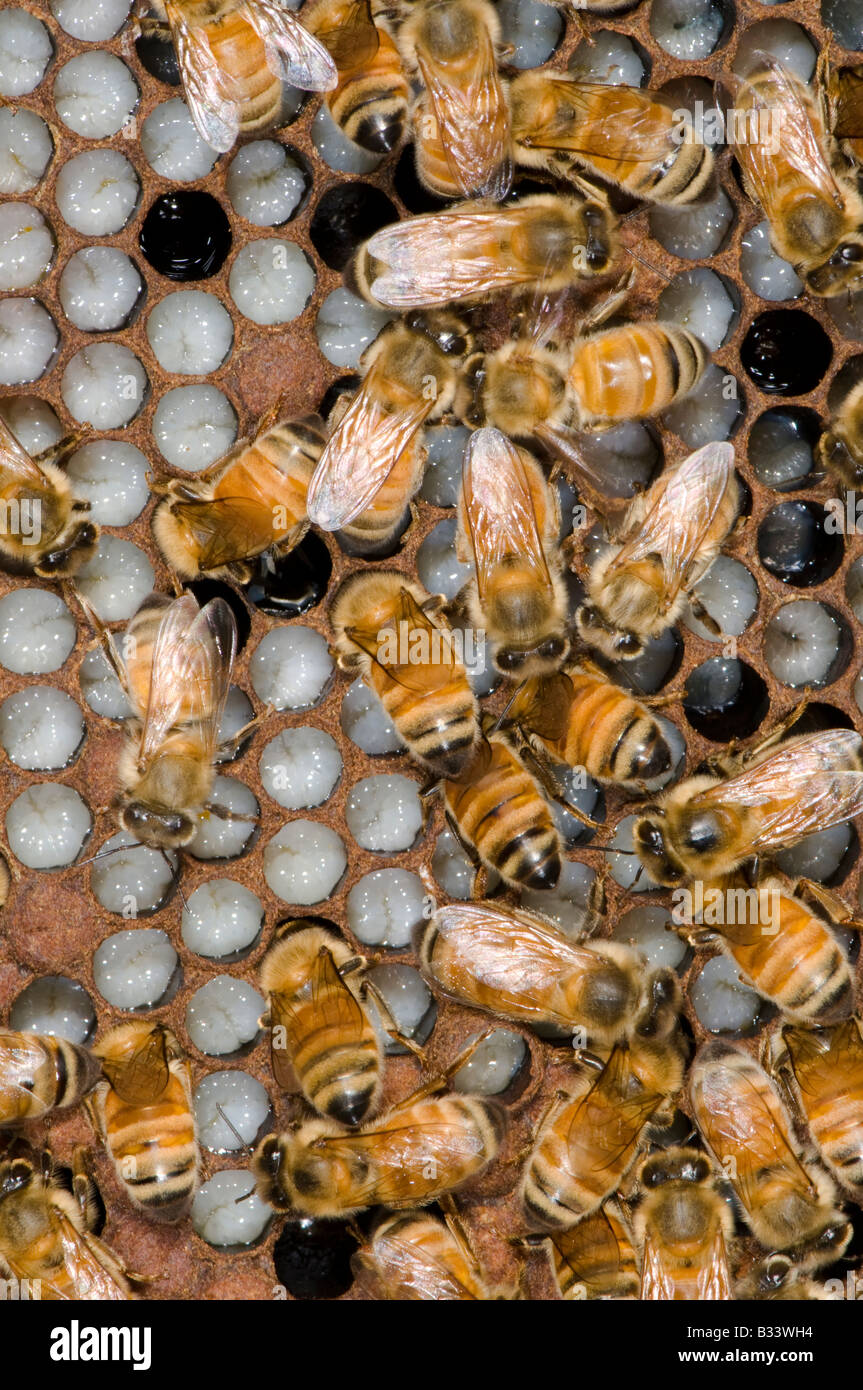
<point>51,921</point>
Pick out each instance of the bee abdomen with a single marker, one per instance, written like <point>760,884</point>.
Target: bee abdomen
<point>441,737</point>
<point>241,54</point>
<point>636,371</point>
<point>157,1159</point>
<point>686,177</point>
<point>342,1080</point>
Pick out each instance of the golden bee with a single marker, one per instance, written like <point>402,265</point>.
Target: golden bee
<point>508,527</point>
<point>684,1228</point>
<point>142,1111</point>
<point>823,1068</point>
<point>840,448</point>
<point>517,965</point>
<point>414,1257</point>
<point>581,719</point>
<point>44,528</point>
<point>669,538</point>
<point>46,1231</point>
<point>789,1203</point>
<point>629,137</point>
<point>461,121</point>
<point>389,630</point>
<point>544,242</point>
<point>845,101</point>
<point>497,812</point>
<point>595,1258</point>
<point>322,1038</point>
<point>416,1153</point>
<point>591,1137</point>
<point>40,1073</point>
<point>789,166</point>
<point>780,938</point>
<point>176,671</point>
<point>370,103</point>
<point>234,58</point>
<point>216,523</point>
<point>777,1279</point>
<point>707,825</point>
<point>411,370</point>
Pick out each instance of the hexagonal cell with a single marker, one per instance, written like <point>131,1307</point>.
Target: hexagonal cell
<point>300,768</point>
<point>610,58</point>
<point>117,579</point>
<point>796,545</point>
<point>131,879</point>
<point>304,862</point>
<point>26,148</point>
<point>97,191</point>
<point>725,699</point>
<point>47,826</point>
<point>265,184</point>
<point>95,94</point>
<point>697,232</point>
<point>228,832</point>
<point>345,326</point>
<point>104,385</point>
<point>194,426</point>
<point>271,281</point>
<point>409,1002</point>
<point>291,668</point>
<point>722,1003</point>
<point>495,1064</point>
<point>135,970</point>
<point>231,1109</point>
<point>226,1212</point>
<point>41,729</point>
<point>701,301</point>
<point>100,289</point>
<point>786,352</point>
<point>90,20</point>
<point>190,333</point>
<point>222,1016</point>
<point>26,246</point>
<point>384,813</point>
<point>385,906</point>
<point>222,919</point>
<point>25,52</point>
<point>28,341</point>
<point>37,632</point>
<point>346,216</point>
<point>807,644</point>
<point>172,146</point>
<point>56,1005</point>
<point>185,235</point>
<point>765,272</point>
<point>111,475</point>
<point>782,447</point>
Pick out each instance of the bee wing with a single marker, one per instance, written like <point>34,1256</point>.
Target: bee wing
<point>473,121</point>
<point>591,1239</point>
<point>410,1272</point>
<point>847,93</point>
<point>844,1054</point>
<point>142,1078</point>
<point>714,1276</point>
<point>809,784</point>
<point>227,528</point>
<point>336,1008</point>
<point>17,469</point>
<point>621,123</point>
<point>293,54</point>
<point>421,677</point>
<point>81,1257</point>
<point>354,40</point>
<point>684,505</point>
<point>542,706</point>
<point>400,1151</point>
<point>498,504</point>
<point>193,656</point>
<point>802,145</point>
<point>612,1111</point>
<point>361,453</point>
<point>442,257</point>
<point>657,1281</point>
<point>212,96</point>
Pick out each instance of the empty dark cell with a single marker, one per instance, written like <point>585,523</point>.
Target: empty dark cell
<point>408,187</point>
<point>786,352</point>
<point>347,216</point>
<point>206,589</point>
<point>157,56</point>
<point>795,545</point>
<point>186,236</point>
<point>295,582</point>
<point>818,715</point>
<point>313,1258</point>
<point>725,699</point>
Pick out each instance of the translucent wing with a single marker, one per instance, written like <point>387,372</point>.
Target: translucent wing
<point>193,656</point>
<point>847,90</point>
<point>809,783</point>
<point>657,1281</point>
<point>17,469</point>
<point>143,1077</point>
<point>420,676</point>
<point>782,107</point>
<point>293,54</point>
<point>410,1272</point>
<point>661,1282</point>
<point>361,453</point>
<point>472,120</point>
<point>411,1154</point>
<point>590,1245</point>
<point>335,1009</point>
<point>90,1276</point>
<point>212,96</point>
<point>445,256</point>
<point>354,40</point>
<point>21,1058</point>
<point>227,528</point>
<point>682,507</point>
<point>614,1113</point>
<point>542,706</point>
<point>606,123</point>
<point>497,501</point>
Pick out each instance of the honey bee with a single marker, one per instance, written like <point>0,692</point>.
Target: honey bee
<point>252,501</point>
<point>777,1280</point>
<point>668,539</point>
<point>519,966</point>
<point>595,1258</point>
<point>39,1073</point>
<point>788,1203</point>
<point>410,378</point>
<point>815,210</point>
<point>322,1037</point>
<point>627,136</point>
<point>845,96</point>
<point>508,526</point>
<point>46,1234</point>
<point>422,685</point>
<point>592,1135</point>
<point>414,1154</point>
<point>234,57</point>
<point>497,812</point>
<point>471,250</point>
<point>370,103</point>
<point>142,1111</point>
<point>461,121</point>
<point>45,528</point>
<point>683,1227</point>
<point>708,826</point>
<point>840,448</point>
<point>176,671</point>
<point>415,1257</point>
<point>579,718</point>
<point>823,1068</point>
<point>785,948</point>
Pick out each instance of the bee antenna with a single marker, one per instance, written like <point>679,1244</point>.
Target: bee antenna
<point>649,264</point>
<point>102,854</point>
<point>174,870</point>
<point>232,1127</point>
<point>508,706</point>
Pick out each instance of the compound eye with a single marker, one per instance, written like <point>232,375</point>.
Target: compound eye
<point>703,834</point>
<point>628,644</point>
<point>509,660</point>
<point>553,648</point>
<point>850,254</point>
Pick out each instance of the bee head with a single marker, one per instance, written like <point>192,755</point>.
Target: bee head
<point>615,644</point>
<point>158,828</point>
<point>522,663</point>
<point>267,1167</point>
<point>842,272</point>
<point>68,558</point>
<point>674,1165</point>
<point>650,840</point>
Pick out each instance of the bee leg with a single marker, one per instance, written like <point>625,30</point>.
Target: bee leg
<point>148,24</point>
<point>437,1083</point>
<point>580,25</point>
<point>389,1023</point>
<point>838,911</point>
<point>84,1189</point>
<point>223,813</point>
<point>779,730</point>
<point>542,771</point>
<point>610,303</point>
<point>233,743</point>
<point>457,1229</point>
<point>701,615</point>
<point>435,604</point>
<point>55,452</point>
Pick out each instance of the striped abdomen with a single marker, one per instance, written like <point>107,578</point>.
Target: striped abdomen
<point>378,527</point>
<point>612,736</point>
<point>270,471</point>
<point>508,821</point>
<point>241,55</point>
<point>339,1078</point>
<point>438,722</point>
<point>801,967</point>
<point>371,102</point>
<point>633,372</point>
<point>154,1147</point>
<point>836,1122</point>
